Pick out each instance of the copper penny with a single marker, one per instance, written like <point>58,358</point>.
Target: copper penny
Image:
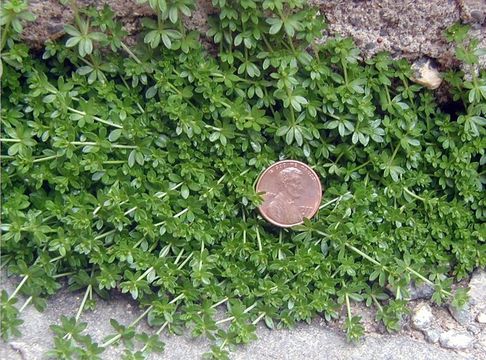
<point>292,192</point>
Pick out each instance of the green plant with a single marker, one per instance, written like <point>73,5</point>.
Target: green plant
<point>135,170</point>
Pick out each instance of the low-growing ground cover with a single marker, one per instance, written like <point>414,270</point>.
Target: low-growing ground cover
<point>134,168</point>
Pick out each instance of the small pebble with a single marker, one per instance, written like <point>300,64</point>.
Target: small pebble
<point>456,340</point>
<point>370,46</point>
<point>478,15</point>
<point>462,316</point>
<point>426,74</point>
<point>420,291</point>
<point>481,318</point>
<point>431,335</point>
<point>473,329</point>
<point>422,317</point>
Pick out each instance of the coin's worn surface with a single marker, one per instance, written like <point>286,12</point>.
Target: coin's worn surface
<point>292,192</point>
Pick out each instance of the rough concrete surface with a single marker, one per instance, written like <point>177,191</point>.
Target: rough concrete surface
<point>410,28</point>
<point>314,341</point>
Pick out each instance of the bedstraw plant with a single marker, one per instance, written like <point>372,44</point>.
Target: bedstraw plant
<point>131,168</point>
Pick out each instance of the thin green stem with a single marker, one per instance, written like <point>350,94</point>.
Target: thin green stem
<point>267,43</point>
<point>223,344</point>
<point>105,234</point>
<point>160,196</point>
<point>424,279</point>
<point>77,18</point>
<point>57,276</point>
<point>130,53</point>
<point>367,257</point>
<point>185,261</point>
<point>178,257</point>
<point>113,162</point>
<point>10,140</point>
<point>180,213</point>
<point>161,328</point>
<point>47,158</point>
<point>345,70</point>
<point>291,43</point>
<point>83,302</point>
<point>200,258</point>
<point>222,301</point>
<point>387,92</point>
<point>360,166</point>
<point>157,333</point>
<point>231,318</point>
<point>106,122</point>
<point>19,286</point>
<point>27,302</point>
<point>378,305</point>
<point>348,306</point>
<point>53,260</point>
<point>92,143</point>
<point>333,200</point>
<point>134,323</point>
<point>259,240</point>
<point>393,155</point>
<point>414,195</point>
<point>258,318</point>
<point>5,263</point>
<point>141,277</point>
<point>244,229</point>
<point>177,298</point>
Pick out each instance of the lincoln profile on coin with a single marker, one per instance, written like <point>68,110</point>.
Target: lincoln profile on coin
<point>281,206</point>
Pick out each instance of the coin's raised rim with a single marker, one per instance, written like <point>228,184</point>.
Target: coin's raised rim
<point>314,211</point>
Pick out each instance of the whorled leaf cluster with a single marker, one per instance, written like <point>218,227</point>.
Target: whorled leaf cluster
<point>133,169</point>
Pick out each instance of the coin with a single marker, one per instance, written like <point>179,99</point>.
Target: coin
<point>291,192</point>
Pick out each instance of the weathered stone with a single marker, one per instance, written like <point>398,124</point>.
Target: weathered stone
<point>456,340</point>
<point>473,329</point>
<point>482,340</point>
<point>406,29</point>
<point>473,10</point>
<point>462,316</point>
<point>481,318</point>
<point>420,291</point>
<point>477,289</point>
<point>478,16</point>
<point>413,29</point>
<point>426,74</point>
<point>52,15</point>
<point>431,335</point>
<point>422,317</point>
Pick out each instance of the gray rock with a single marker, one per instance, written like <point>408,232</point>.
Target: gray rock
<point>420,291</point>
<point>473,10</point>
<point>431,335</point>
<point>406,29</point>
<point>473,329</point>
<point>478,16</point>
<point>481,318</point>
<point>456,340</point>
<point>426,74</point>
<point>477,289</point>
<point>462,316</point>
<point>422,317</point>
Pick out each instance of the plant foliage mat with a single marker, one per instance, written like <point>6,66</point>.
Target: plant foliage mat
<point>133,168</point>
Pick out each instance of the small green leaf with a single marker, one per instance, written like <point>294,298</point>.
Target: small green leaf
<point>115,135</point>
